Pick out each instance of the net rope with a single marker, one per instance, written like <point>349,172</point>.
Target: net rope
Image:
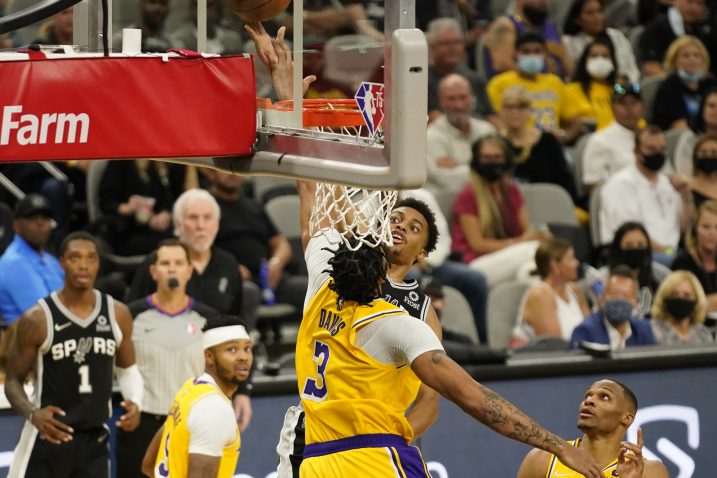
<point>360,214</point>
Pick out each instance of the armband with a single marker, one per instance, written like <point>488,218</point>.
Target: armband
<point>131,384</point>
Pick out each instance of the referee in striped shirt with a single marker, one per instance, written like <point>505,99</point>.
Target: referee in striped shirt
<point>167,337</point>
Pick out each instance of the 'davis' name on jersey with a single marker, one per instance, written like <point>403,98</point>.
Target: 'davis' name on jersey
<point>331,322</point>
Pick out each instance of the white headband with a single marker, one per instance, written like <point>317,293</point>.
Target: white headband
<point>220,335</point>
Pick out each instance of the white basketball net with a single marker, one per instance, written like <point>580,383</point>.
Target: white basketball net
<point>356,213</point>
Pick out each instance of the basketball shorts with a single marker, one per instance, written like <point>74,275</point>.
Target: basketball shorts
<point>291,443</point>
<point>379,456</point>
<point>85,456</point>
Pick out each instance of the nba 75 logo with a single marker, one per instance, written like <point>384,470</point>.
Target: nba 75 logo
<point>666,447</point>
<point>370,100</point>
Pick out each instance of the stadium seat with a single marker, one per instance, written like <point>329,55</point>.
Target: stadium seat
<point>284,213</point>
<point>445,200</point>
<point>269,187</point>
<point>648,87</point>
<point>595,216</point>
<point>549,204</point>
<point>579,164</point>
<point>457,315</point>
<point>503,304</point>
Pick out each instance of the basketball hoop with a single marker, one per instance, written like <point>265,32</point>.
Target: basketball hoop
<point>356,213</point>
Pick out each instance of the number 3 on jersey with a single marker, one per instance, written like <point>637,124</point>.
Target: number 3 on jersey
<point>315,389</point>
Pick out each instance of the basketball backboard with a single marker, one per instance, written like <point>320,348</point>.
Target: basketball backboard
<point>383,66</point>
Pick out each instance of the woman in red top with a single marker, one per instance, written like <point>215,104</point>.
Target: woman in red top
<point>491,228</point>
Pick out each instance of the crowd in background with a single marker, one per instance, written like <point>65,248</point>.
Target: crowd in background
<point>614,102</point>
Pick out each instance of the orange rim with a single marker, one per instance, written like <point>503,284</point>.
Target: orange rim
<point>328,113</point>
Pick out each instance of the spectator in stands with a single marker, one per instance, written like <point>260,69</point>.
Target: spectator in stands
<point>215,273</point>
<point>246,232</point>
<point>135,198</point>
<point>679,311</point>
<point>685,17</point>
<point>592,88</point>
<point>679,97</point>
<point>554,305</point>
<point>27,272</point>
<point>552,110</point>
<point>538,155</point>
<point>469,282</point>
<point>704,123</point>
<point>700,255</point>
<point>167,342</point>
<point>153,14</point>
<point>615,323</point>
<point>612,148</point>
<point>447,56</point>
<point>631,246</point>
<point>57,30</point>
<point>491,228</point>
<point>704,160</point>
<point>640,192</point>
<point>220,40</point>
<point>530,15</point>
<point>584,24</point>
<point>451,135</point>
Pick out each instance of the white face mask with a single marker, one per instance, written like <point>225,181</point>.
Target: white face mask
<point>599,67</point>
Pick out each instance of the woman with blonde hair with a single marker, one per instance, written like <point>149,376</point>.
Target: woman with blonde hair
<point>679,97</point>
<point>554,305</point>
<point>700,257</point>
<point>491,229</point>
<point>679,309</point>
<point>538,155</point>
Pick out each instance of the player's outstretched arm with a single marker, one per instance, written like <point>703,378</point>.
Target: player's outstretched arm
<point>438,371</point>
<point>30,334</point>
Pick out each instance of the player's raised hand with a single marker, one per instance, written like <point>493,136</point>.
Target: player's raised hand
<point>580,460</point>
<point>262,41</point>
<point>630,462</point>
<point>130,420</point>
<point>50,428</point>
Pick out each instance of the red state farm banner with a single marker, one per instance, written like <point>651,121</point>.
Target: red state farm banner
<point>117,107</point>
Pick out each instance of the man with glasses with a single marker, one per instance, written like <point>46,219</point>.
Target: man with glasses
<point>612,148</point>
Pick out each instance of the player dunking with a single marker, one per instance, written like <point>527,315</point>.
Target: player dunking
<point>351,357</point>
<point>606,412</point>
<point>73,339</point>
<point>415,235</point>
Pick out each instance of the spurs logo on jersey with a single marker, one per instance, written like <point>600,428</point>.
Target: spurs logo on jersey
<point>75,364</point>
<point>408,296</point>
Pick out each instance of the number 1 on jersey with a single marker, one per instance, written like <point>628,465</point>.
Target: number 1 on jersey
<point>315,389</point>
<point>85,386</point>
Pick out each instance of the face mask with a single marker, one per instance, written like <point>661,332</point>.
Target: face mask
<point>707,165</point>
<point>491,171</point>
<point>617,311</point>
<point>599,67</point>
<point>653,162</point>
<point>531,64</point>
<point>680,309</point>
<point>690,77</point>
<point>633,258</point>
<point>535,15</point>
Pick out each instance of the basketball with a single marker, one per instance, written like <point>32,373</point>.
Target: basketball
<point>258,10</point>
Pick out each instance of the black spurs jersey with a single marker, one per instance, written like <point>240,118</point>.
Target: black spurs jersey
<point>76,361</point>
<point>407,295</point>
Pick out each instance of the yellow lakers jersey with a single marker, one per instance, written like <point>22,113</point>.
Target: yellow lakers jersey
<point>173,456</point>
<point>344,391</point>
<point>558,470</point>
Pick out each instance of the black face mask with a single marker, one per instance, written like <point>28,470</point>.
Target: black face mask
<point>707,165</point>
<point>680,309</point>
<point>491,171</point>
<point>633,258</point>
<point>535,15</point>
<point>653,162</point>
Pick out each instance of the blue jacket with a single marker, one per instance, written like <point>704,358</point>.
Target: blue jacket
<point>25,278</point>
<point>593,329</point>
